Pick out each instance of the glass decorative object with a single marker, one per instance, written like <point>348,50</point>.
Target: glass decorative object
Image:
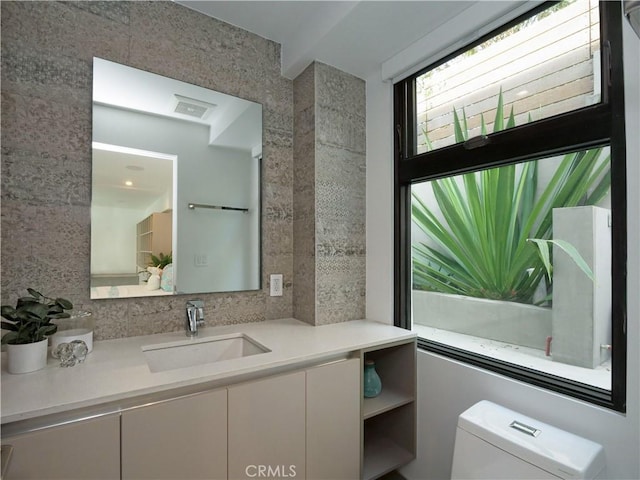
<point>79,327</point>
<point>372,382</point>
<point>70,353</point>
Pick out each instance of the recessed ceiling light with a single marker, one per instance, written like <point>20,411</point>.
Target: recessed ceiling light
<point>128,183</point>
<point>522,93</point>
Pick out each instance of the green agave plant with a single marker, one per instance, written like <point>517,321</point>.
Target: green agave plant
<point>492,237</point>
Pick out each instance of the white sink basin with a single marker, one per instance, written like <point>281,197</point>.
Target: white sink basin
<point>200,351</point>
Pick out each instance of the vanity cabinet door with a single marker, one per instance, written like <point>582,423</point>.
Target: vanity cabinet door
<point>88,449</point>
<point>184,438</point>
<point>333,421</point>
<point>267,428</point>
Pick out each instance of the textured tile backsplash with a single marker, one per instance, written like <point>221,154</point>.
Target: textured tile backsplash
<point>47,59</point>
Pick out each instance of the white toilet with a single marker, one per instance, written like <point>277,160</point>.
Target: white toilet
<point>493,442</point>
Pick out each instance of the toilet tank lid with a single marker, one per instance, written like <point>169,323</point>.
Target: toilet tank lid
<point>559,452</point>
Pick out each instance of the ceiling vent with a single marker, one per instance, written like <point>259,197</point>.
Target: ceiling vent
<point>192,107</point>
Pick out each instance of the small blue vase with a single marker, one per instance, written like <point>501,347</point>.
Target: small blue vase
<point>372,383</point>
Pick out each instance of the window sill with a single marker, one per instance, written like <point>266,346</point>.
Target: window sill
<point>599,377</point>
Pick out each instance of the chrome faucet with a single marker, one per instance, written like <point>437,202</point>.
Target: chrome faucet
<point>195,317</point>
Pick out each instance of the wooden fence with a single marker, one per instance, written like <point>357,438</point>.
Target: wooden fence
<point>543,69</point>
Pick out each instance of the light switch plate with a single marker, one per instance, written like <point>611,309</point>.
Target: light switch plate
<point>201,260</point>
<point>275,285</point>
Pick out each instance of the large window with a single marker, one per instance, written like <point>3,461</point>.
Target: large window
<point>511,202</point>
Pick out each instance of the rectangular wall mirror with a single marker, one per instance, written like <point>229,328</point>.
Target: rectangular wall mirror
<point>175,187</point>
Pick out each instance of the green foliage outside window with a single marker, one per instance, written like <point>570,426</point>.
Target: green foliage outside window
<point>487,240</point>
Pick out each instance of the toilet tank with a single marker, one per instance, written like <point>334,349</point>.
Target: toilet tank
<point>493,442</point>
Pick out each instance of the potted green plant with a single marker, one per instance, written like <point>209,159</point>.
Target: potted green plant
<point>161,260</point>
<point>29,325</point>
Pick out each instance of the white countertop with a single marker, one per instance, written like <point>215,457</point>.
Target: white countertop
<point>117,369</point>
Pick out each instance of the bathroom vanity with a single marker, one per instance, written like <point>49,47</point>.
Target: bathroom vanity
<point>293,408</point>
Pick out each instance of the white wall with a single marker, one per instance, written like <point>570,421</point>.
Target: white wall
<point>379,216</point>
<point>113,240</point>
<point>229,239</point>
<point>162,203</point>
<point>447,387</point>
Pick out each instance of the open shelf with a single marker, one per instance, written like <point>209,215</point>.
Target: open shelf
<point>389,420</point>
<point>154,236</point>
<point>382,455</point>
<point>387,400</point>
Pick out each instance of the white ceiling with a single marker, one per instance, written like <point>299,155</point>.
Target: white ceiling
<point>228,117</point>
<point>150,176</point>
<point>353,36</point>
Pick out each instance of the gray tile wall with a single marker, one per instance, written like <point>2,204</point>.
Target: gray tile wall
<point>304,210</point>
<point>47,51</point>
<point>340,196</point>
<point>329,187</point>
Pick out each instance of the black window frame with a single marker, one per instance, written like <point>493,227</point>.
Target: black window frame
<point>591,126</point>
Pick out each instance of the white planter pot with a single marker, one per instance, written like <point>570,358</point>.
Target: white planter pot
<point>27,357</point>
